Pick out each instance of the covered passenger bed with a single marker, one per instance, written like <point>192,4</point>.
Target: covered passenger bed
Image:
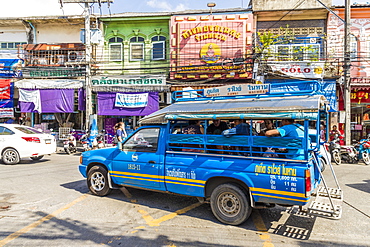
<point>294,107</point>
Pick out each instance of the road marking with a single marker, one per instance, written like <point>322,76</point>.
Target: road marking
<point>155,222</point>
<point>28,228</point>
<point>261,227</point>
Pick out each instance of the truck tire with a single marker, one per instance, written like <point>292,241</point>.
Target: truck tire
<point>323,164</point>
<point>97,181</point>
<point>230,205</point>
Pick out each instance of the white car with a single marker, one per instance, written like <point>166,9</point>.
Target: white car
<point>20,141</point>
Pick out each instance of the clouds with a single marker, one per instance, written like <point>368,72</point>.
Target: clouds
<point>16,8</point>
<point>165,6</point>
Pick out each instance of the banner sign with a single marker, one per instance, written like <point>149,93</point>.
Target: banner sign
<point>10,67</point>
<point>298,69</point>
<point>151,80</point>
<point>242,89</point>
<point>5,88</point>
<point>53,72</point>
<point>6,112</point>
<point>131,100</point>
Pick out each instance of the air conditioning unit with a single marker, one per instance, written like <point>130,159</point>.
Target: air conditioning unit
<point>161,98</point>
<point>76,56</point>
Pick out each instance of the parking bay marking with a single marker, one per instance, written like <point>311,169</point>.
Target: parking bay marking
<point>26,229</point>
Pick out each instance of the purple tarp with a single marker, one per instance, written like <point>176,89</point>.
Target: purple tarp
<point>52,101</point>
<point>81,99</point>
<point>106,105</point>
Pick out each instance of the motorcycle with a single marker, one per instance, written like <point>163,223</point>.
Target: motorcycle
<point>100,140</point>
<point>85,142</point>
<point>363,148</point>
<point>69,145</point>
<point>349,154</point>
<point>334,149</point>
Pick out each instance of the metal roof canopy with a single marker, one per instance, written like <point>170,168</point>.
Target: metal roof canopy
<point>86,1</point>
<point>246,108</point>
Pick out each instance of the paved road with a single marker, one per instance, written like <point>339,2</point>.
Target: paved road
<point>46,203</point>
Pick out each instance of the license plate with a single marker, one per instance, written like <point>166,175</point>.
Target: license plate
<point>48,141</point>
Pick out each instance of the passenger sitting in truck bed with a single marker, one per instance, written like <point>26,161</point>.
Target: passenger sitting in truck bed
<point>241,128</point>
<point>290,129</point>
<point>217,127</point>
<point>194,128</point>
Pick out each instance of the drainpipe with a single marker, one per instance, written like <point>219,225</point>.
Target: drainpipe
<point>34,32</point>
<point>29,24</point>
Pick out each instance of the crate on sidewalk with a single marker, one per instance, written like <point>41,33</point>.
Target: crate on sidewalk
<point>63,132</point>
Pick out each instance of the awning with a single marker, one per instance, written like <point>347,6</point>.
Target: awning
<point>49,83</point>
<point>242,108</point>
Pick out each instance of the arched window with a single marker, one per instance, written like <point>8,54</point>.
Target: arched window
<point>137,49</point>
<point>115,49</point>
<point>158,48</point>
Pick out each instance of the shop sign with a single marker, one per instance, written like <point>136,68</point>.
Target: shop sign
<point>6,112</point>
<point>360,96</point>
<point>53,72</point>
<point>211,47</point>
<point>241,89</point>
<point>128,81</point>
<point>10,67</point>
<point>299,69</point>
<point>211,32</point>
<point>131,100</point>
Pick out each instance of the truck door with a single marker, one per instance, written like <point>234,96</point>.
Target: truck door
<point>140,161</point>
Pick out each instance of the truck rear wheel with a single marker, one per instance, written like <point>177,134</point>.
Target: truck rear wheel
<point>230,205</point>
<point>97,181</point>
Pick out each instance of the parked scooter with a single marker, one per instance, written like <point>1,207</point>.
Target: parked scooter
<point>349,154</point>
<point>100,139</point>
<point>363,148</point>
<point>334,148</point>
<point>84,140</point>
<point>70,144</point>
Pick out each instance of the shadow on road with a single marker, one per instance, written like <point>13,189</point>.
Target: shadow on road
<point>364,186</point>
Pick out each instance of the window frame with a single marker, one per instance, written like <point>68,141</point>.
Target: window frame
<point>110,52</point>
<point>163,51</point>
<point>142,51</point>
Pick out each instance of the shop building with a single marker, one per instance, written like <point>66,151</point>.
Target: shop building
<point>360,67</point>
<point>130,77</point>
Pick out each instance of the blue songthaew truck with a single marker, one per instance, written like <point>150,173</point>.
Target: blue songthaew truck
<point>233,172</point>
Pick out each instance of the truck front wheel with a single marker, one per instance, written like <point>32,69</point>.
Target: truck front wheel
<point>230,205</point>
<point>97,181</point>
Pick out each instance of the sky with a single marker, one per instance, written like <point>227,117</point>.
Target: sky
<point>24,8</point>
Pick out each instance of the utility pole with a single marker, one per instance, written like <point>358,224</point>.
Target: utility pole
<point>88,109</point>
<point>347,73</point>
<point>88,52</point>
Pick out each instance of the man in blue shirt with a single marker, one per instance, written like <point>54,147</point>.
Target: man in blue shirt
<point>241,127</point>
<point>290,129</point>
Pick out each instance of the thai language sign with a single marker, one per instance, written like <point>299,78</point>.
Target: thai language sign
<point>299,69</point>
<point>128,80</point>
<point>131,100</point>
<point>54,72</point>
<point>211,47</point>
<point>242,89</point>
